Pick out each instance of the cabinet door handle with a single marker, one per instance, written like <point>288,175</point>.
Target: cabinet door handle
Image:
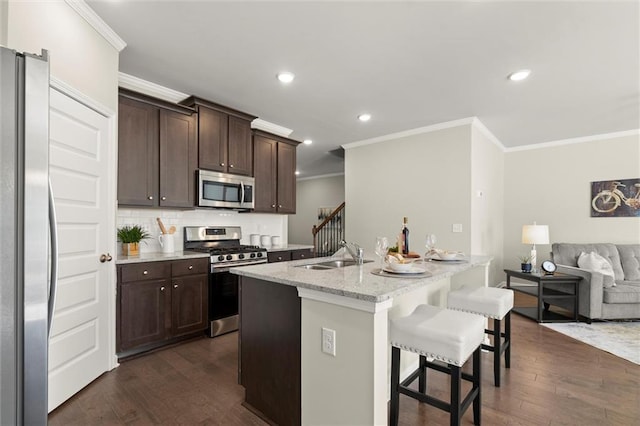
<point>150,197</point>
<point>190,267</point>
<point>279,257</point>
<point>231,166</point>
<point>145,272</point>
<point>162,288</point>
<point>222,164</point>
<point>273,206</point>
<point>163,198</point>
<point>302,256</point>
<point>175,286</point>
<point>279,206</point>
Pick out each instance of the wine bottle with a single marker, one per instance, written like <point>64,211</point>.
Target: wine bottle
<point>405,237</point>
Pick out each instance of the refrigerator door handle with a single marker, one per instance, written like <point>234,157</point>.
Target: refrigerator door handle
<point>53,283</point>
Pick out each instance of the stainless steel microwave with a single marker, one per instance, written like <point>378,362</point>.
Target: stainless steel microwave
<point>223,190</point>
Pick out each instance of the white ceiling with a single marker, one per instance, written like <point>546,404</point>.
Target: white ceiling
<point>409,64</point>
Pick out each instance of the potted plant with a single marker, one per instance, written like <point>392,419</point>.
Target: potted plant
<point>130,237</point>
<point>525,263</point>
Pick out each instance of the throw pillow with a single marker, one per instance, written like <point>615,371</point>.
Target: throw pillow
<point>594,262</point>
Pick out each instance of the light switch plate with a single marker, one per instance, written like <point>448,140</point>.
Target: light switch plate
<point>456,227</point>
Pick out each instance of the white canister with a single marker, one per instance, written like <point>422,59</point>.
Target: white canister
<point>167,243</point>
<point>276,241</point>
<point>265,240</point>
<point>255,239</point>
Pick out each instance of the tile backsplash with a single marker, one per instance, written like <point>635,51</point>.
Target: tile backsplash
<point>251,223</point>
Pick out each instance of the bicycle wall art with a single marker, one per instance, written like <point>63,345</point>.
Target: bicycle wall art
<point>615,198</point>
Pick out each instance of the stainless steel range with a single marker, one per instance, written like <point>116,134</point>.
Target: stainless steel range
<point>223,244</point>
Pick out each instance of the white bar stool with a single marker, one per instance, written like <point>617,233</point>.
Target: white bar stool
<point>449,337</point>
<point>489,302</point>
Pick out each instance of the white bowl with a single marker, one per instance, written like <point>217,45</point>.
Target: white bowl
<point>400,267</point>
<point>448,255</point>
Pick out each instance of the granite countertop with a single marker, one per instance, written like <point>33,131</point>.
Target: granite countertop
<point>158,257</point>
<point>287,247</point>
<point>356,282</point>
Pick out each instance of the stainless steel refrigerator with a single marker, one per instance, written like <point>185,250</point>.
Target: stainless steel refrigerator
<point>28,254</point>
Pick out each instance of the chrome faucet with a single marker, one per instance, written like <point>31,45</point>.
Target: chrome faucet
<point>358,255</point>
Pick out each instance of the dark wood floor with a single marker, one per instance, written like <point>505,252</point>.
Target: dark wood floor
<point>553,380</point>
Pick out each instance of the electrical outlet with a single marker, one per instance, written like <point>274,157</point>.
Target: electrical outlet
<point>329,341</point>
<point>456,227</point>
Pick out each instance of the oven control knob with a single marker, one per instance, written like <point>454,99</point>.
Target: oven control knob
<point>229,257</point>
<point>259,254</point>
<point>252,255</point>
<point>241,256</point>
<point>220,258</point>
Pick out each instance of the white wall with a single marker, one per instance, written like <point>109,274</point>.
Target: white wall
<point>79,56</point>
<point>310,194</point>
<point>487,201</point>
<point>4,26</point>
<point>426,177</point>
<point>251,223</point>
<point>552,185</point>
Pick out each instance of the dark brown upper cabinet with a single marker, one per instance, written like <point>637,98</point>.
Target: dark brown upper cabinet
<point>224,138</point>
<point>274,166</point>
<point>157,152</point>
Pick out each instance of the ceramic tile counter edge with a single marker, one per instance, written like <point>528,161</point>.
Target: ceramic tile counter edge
<point>158,257</point>
<point>356,282</point>
<point>288,247</point>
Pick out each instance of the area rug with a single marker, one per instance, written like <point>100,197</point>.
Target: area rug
<point>619,338</point>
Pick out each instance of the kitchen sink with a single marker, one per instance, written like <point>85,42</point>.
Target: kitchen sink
<point>331,264</point>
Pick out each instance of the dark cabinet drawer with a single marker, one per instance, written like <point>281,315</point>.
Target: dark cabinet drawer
<point>144,271</point>
<point>279,256</point>
<point>189,267</point>
<point>301,254</point>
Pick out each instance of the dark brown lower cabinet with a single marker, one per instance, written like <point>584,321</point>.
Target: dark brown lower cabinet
<point>270,345</point>
<point>286,255</point>
<point>156,306</point>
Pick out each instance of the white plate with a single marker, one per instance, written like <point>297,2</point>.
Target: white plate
<point>458,259</point>
<point>412,270</point>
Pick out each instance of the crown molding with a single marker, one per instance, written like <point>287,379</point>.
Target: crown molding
<point>328,175</point>
<point>148,88</point>
<point>261,124</point>
<point>412,132</point>
<point>96,22</point>
<point>582,139</point>
<point>487,133</point>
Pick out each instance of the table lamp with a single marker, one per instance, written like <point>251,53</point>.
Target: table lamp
<point>535,234</point>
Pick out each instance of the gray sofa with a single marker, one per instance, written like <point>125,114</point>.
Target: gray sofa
<point>596,300</point>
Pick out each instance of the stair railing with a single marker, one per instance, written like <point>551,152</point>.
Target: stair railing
<point>329,233</point>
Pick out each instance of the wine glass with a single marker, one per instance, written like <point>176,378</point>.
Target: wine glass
<point>430,244</point>
<point>382,246</point>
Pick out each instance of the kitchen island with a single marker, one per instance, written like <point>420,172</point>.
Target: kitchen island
<point>283,311</point>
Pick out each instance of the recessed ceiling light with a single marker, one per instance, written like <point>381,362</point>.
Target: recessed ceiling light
<point>364,117</point>
<point>519,75</point>
<point>307,141</point>
<point>286,76</point>
<point>297,172</point>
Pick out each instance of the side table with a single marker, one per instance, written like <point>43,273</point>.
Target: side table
<point>546,296</point>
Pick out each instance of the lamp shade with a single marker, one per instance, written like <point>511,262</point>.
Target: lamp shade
<point>535,234</point>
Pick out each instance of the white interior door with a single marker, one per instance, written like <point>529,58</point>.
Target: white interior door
<point>79,347</point>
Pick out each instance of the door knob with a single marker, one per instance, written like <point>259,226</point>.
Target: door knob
<point>105,258</point>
